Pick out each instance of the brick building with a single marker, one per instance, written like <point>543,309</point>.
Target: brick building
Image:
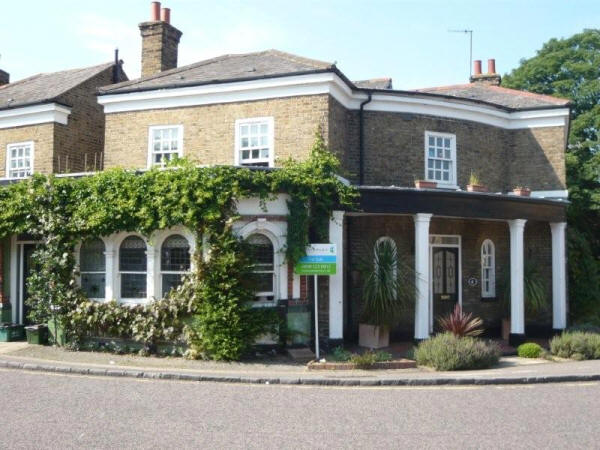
<point>258,108</point>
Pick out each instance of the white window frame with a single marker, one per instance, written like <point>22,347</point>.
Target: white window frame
<point>31,145</point>
<point>491,292</point>
<point>151,153</point>
<point>237,147</point>
<point>273,292</point>
<point>452,183</point>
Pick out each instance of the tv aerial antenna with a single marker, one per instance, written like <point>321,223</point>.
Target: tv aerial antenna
<point>470,32</point>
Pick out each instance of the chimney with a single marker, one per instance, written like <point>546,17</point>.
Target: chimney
<point>491,78</point>
<point>160,40</point>
<point>4,77</point>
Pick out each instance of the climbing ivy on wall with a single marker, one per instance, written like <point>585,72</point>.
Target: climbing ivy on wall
<point>62,211</point>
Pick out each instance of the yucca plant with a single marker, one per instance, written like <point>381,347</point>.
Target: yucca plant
<point>534,290</point>
<point>460,324</point>
<point>388,285</point>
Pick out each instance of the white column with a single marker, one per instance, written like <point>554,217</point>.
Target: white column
<point>559,276</point>
<point>336,282</point>
<point>517,302</point>
<point>110,278</point>
<point>151,271</point>
<point>422,274</point>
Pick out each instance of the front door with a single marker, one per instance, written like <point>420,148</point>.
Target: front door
<point>444,279</point>
<point>27,266</point>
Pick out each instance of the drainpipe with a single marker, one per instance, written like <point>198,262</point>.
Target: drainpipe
<point>361,141</point>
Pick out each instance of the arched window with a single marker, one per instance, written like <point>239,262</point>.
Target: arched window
<point>133,268</point>
<point>385,261</point>
<point>488,269</point>
<point>174,261</point>
<point>264,266</point>
<point>92,264</point>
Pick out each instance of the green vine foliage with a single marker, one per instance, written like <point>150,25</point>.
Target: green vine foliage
<point>210,309</point>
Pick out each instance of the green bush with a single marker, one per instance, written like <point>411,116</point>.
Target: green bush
<point>340,354</point>
<point>529,350</point>
<point>448,352</point>
<point>365,360</point>
<point>576,345</point>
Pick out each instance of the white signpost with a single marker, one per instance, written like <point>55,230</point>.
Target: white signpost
<point>320,259</point>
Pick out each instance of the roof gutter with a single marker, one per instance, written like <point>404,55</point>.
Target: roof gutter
<point>361,139</point>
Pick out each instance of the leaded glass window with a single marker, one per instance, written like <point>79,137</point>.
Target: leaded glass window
<point>133,268</point>
<point>174,261</point>
<point>488,269</point>
<point>92,263</point>
<point>264,266</point>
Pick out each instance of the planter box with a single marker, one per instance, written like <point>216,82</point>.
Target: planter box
<point>422,184</point>
<point>10,332</point>
<point>37,334</point>
<point>476,188</point>
<point>372,336</point>
<point>522,192</point>
<point>383,365</point>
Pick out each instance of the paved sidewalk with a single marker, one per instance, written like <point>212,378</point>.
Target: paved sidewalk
<point>511,370</point>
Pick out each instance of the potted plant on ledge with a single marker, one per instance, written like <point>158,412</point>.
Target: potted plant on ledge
<point>388,287</point>
<point>475,184</point>
<point>424,184</point>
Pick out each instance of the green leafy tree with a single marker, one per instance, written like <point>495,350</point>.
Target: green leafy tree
<point>570,68</point>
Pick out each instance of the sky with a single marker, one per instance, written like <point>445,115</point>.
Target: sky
<point>406,40</point>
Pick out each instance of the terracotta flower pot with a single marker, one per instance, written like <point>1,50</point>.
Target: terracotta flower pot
<point>476,188</point>
<point>423,184</point>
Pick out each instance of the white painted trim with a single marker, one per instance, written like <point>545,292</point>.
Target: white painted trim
<point>276,232</point>
<point>451,184</point>
<point>152,128</point>
<point>157,240</point>
<point>550,194</point>
<point>271,125</point>
<point>8,158</point>
<point>459,280</point>
<point>330,83</point>
<point>33,115</point>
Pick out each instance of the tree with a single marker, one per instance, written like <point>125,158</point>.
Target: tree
<point>570,68</point>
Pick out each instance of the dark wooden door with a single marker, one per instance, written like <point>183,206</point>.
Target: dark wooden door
<point>444,279</point>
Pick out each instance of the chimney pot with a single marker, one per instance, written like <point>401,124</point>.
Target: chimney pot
<point>154,11</point>
<point>4,77</point>
<point>477,67</point>
<point>165,15</point>
<point>491,66</point>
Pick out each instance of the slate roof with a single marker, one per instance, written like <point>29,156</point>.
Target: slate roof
<point>374,83</point>
<point>229,67</point>
<point>509,98</point>
<point>45,87</point>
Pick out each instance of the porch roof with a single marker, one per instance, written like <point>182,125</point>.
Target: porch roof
<point>459,204</point>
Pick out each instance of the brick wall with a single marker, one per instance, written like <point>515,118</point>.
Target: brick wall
<point>344,138</point>
<point>43,137</point>
<point>159,47</point>
<point>395,149</point>
<point>537,158</point>
<point>81,142</point>
<point>209,131</point>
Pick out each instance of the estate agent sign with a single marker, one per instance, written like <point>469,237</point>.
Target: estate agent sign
<point>320,259</point>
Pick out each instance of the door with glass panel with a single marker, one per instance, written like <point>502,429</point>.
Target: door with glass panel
<point>444,279</point>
